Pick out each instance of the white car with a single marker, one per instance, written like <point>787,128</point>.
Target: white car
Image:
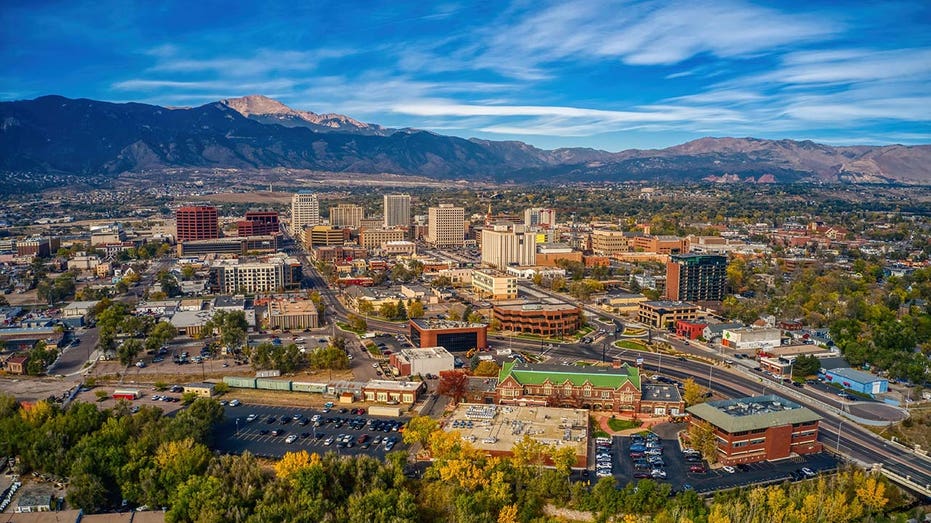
<point>729,469</point>
<point>251,417</point>
<point>235,403</point>
<point>290,439</point>
<point>374,365</point>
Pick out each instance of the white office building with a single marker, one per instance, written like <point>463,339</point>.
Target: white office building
<point>540,217</point>
<point>446,225</point>
<point>305,210</point>
<point>505,245</point>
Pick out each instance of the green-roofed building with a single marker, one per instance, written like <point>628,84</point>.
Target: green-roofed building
<point>616,388</point>
<point>759,428</point>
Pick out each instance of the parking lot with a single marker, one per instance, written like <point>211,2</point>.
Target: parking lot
<point>236,434</point>
<point>679,476</point>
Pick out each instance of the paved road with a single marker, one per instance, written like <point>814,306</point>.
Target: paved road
<point>72,359</point>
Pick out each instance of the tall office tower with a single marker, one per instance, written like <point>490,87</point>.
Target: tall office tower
<point>540,217</point>
<point>696,277</point>
<point>446,225</point>
<point>258,223</point>
<point>397,210</point>
<point>346,215</point>
<point>305,210</point>
<point>503,246</point>
<point>196,223</point>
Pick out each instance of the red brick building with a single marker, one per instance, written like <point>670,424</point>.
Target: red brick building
<point>617,388</point>
<point>759,428</point>
<point>690,329</point>
<point>454,336</point>
<point>196,223</point>
<point>258,223</point>
<point>539,319</point>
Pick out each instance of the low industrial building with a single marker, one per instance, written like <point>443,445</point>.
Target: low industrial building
<point>622,302</point>
<point>455,336</point>
<point>665,314</point>
<point>541,319</point>
<point>393,392</point>
<point>856,380</point>
<point>495,429</point>
<point>432,360</point>
<point>759,428</point>
<point>203,390</point>
<point>291,314</point>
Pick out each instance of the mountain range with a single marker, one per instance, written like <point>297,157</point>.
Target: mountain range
<point>75,138</point>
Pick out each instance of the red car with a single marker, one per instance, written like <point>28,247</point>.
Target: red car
<point>697,468</point>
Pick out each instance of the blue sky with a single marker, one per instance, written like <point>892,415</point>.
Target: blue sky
<point>606,74</point>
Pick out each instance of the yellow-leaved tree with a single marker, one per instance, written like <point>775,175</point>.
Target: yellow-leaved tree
<point>293,462</point>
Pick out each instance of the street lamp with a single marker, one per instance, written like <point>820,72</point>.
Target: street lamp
<point>839,423</point>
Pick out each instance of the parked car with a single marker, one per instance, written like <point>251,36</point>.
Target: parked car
<point>698,469</point>
<point>729,469</point>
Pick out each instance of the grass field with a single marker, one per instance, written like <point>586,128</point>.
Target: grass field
<point>623,424</point>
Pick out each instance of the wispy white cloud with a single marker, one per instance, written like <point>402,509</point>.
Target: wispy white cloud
<point>649,33</point>
<point>261,62</point>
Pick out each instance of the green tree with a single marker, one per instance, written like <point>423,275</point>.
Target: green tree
<point>128,350</point>
<point>806,365</point>
<point>692,392</point>
<point>365,307</point>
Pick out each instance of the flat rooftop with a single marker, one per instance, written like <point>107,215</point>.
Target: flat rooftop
<point>538,307</point>
<point>286,307</point>
<point>855,375</point>
<point>394,385</point>
<point>440,324</point>
<point>496,428</point>
<point>426,353</point>
<point>669,305</point>
<point>751,413</point>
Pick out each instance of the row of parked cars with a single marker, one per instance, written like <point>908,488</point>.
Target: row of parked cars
<point>604,460</point>
<point>646,453</point>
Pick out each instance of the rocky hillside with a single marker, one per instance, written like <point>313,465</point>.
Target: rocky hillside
<point>56,136</point>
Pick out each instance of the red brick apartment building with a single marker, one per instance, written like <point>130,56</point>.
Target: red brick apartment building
<point>759,428</point>
<point>196,223</point>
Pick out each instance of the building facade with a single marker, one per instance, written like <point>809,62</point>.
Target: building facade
<point>665,314</point>
<point>234,277</point>
<point>493,285</point>
<point>446,225</point>
<point>375,238</point>
<point>240,245</point>
<point>457,336</point>
<point>607,242</point>
<point>305,211</point>
<point>696,277</point>
<point>258,223</point>
<point>393,392</point>
<point>503,246</point>
<point>759,428</point>
<point>325,235</point>
<point>397,210</point>
<point>616,388</point>
<point>196,223</point>
<point>855,380</point>
<point>745,338</point>
<point>292,315</point>
<point>540,319</point>
<point>346,215</point>
<point>540,217</point>
<point>431,360</point>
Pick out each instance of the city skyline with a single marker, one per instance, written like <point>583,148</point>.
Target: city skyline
<point>610,75</point>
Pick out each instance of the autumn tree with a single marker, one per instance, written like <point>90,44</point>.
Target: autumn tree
<point>702,438</point>
<point>692,392</point>
<point>486,368</point>
<point>419,429</point>
<point>453,383</point>
<point>415,310</point>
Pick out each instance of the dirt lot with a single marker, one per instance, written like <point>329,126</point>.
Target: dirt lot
<point>34,389</point>
<point>261,197</point>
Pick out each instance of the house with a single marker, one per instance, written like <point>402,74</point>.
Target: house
<point>17,364</point>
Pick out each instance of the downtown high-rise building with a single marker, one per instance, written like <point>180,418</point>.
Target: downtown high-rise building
<point>506,245</point>
<point>305,210</point>
<point>696,277</point>
<point>346,215</point>
<point>540,217</point>
<point>446,225</point>
<point>397,209</point>
<point>196,223</point>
